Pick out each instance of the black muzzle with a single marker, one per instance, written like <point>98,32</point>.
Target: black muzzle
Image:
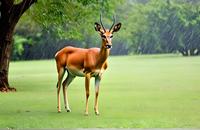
<point>108,46</point>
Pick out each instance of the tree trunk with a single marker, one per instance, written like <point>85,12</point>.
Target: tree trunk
<point>10,14</point>
<point>183,51</point>
<point>6,34</point>
<point>197,53</point>
<point>5,52</point>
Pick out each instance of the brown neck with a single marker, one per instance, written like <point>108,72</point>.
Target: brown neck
<point>103,55</point>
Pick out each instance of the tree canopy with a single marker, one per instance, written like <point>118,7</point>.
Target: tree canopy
<point>61,23</point>
<point>164,26</point>
<point>149,26</point>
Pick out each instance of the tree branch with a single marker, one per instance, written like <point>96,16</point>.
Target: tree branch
<point>6,5</point>
<point>18,9</point>
<point>25,4</point>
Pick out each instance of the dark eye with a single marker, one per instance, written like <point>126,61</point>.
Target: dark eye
<point>111,36</point>
<point>103,36</point>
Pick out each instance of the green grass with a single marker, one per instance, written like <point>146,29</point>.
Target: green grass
<point>157,91</point>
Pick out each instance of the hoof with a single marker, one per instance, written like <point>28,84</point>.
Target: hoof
<point>97,113</point>
<point>68,110</point>
<point>86,114</point>
<point>59,110</point>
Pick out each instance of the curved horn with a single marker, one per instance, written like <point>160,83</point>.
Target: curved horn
<point>113,23</point>
<point>102,24</point>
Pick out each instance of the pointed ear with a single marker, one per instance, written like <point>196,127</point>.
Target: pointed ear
<point>97,27</point>
<point>117,27</point>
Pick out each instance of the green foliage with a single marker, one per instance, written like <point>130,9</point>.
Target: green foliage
<point>17,1</point>
<point>164,26</point>
<point>19,41</point>
<point>68,19</point>
<point>148,26</point>
<point>62,23</point>
<point>18,48</point>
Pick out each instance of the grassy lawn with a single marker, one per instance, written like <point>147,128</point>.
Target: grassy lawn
<point>157,91</point>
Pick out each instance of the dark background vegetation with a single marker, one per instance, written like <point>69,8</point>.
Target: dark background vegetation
<point>148,27</point>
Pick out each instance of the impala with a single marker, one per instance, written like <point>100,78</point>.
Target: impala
<point>86,63</point>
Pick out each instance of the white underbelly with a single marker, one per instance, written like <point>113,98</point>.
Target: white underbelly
<point>74,72</point>
<point>80,73</point>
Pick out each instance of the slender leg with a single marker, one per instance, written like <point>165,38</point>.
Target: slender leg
<point>97,82</point>
<point>87,90</point>
<point>61,73</point>
<point>65,84</point>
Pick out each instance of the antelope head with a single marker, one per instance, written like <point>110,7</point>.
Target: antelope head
<point>107,34</point>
